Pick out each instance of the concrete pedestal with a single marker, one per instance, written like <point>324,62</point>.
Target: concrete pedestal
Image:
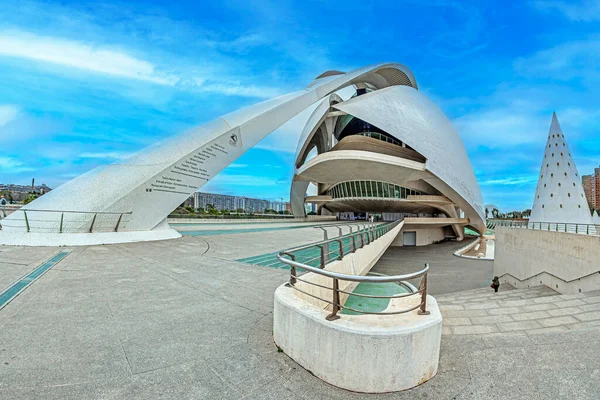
<point>362,353</point>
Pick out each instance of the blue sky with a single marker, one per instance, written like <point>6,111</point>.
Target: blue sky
<point>86,84</point>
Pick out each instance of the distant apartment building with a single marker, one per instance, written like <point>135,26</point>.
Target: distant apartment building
<point>591,187</point>
<point>231,203</point>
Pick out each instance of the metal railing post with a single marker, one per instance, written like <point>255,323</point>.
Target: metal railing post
<point>353,243</point>
<point>93,222</point>
<point>292,281</point>
<point>322,257</point>
<point>62,216</point>
<point>118,223</point>
<point>341,249</point>
<point>26,221</point>
<point>336,301</point>
<point>423,286</point>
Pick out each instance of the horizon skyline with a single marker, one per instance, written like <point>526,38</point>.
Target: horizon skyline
<point>87,84</point>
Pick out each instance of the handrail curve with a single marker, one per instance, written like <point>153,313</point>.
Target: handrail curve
<point>372,232</point>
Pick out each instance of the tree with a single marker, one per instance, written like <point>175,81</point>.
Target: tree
<point>211,210</point>
<point>486,212</point>
<point>29,198</point>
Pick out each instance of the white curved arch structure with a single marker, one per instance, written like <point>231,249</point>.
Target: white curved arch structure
<point>130,200</point>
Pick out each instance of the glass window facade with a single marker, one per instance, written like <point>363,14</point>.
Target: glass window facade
<point>371,189</point>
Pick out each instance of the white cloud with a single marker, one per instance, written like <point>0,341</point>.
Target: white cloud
<point>106,155</point>
<point>235,88</point>
<point>236,165</point>
<point>576,59</point>
<point>226,180</point>
<point>118,63</point>
<point>7,113</point>
<point>11,165</point>
<point>81,55</point>
<point>585,11</point>
<point>503,127</point>
<point>510,181</point>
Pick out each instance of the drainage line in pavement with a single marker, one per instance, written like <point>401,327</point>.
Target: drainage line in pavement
<point>19,286</point>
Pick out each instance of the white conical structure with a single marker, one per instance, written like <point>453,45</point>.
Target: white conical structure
<point>559,197</point>
<point>596,218</point>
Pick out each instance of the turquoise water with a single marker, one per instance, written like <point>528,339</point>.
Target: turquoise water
<point>310,256</point>
<point>369,304</point>
<point>473,233</point>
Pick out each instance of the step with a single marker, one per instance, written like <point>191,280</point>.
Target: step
<point>528,311</point>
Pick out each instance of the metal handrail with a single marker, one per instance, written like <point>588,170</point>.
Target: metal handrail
<point>565,227</point>
<point>76,212</point>
<point>288,257</point>
<point>87,229</point>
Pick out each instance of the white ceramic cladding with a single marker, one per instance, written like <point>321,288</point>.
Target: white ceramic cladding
<point>559,196</point>
<point>153,182</point>
<point>412,118</point>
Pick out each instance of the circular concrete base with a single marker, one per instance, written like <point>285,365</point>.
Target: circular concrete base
<point>362,353</point>
<point>83,239</point>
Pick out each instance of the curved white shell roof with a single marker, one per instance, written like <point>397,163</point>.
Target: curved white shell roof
<point>412,118</point>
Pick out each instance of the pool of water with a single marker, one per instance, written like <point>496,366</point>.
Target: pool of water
<point>473,233</point>
<point>212,232</point>
<point>370,304</point>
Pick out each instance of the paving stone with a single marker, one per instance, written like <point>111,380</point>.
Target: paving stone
<point>588,316</point>
<point>569,303</point>
<point>446,330</point>
<point>571,296</point>
<point>491,319</point>
<point>565,311</point>
<point>591,307</point>
<point>545,299</point>
<point>504,311</point>
<point>465,313</point>
<point>540,307</point>
<point>552,329</point>
<point>555,321</point>
<point>585,325</point>
<point>591,300</point>
<point>519,325</point>
<point>474,329</point>
<point>514,303</point>
<point>530,315</point>
<point>453,307</point>
<point>456,321</point>
<point>481,306</point>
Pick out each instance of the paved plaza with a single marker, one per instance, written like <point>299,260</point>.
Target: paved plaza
<point>180,319</point>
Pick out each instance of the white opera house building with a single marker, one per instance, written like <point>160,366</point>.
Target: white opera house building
<point>387,150</point>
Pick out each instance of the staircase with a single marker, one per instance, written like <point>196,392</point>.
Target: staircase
<point>530,311</point>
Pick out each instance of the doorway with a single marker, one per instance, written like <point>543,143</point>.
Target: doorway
<point>409,238</point>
